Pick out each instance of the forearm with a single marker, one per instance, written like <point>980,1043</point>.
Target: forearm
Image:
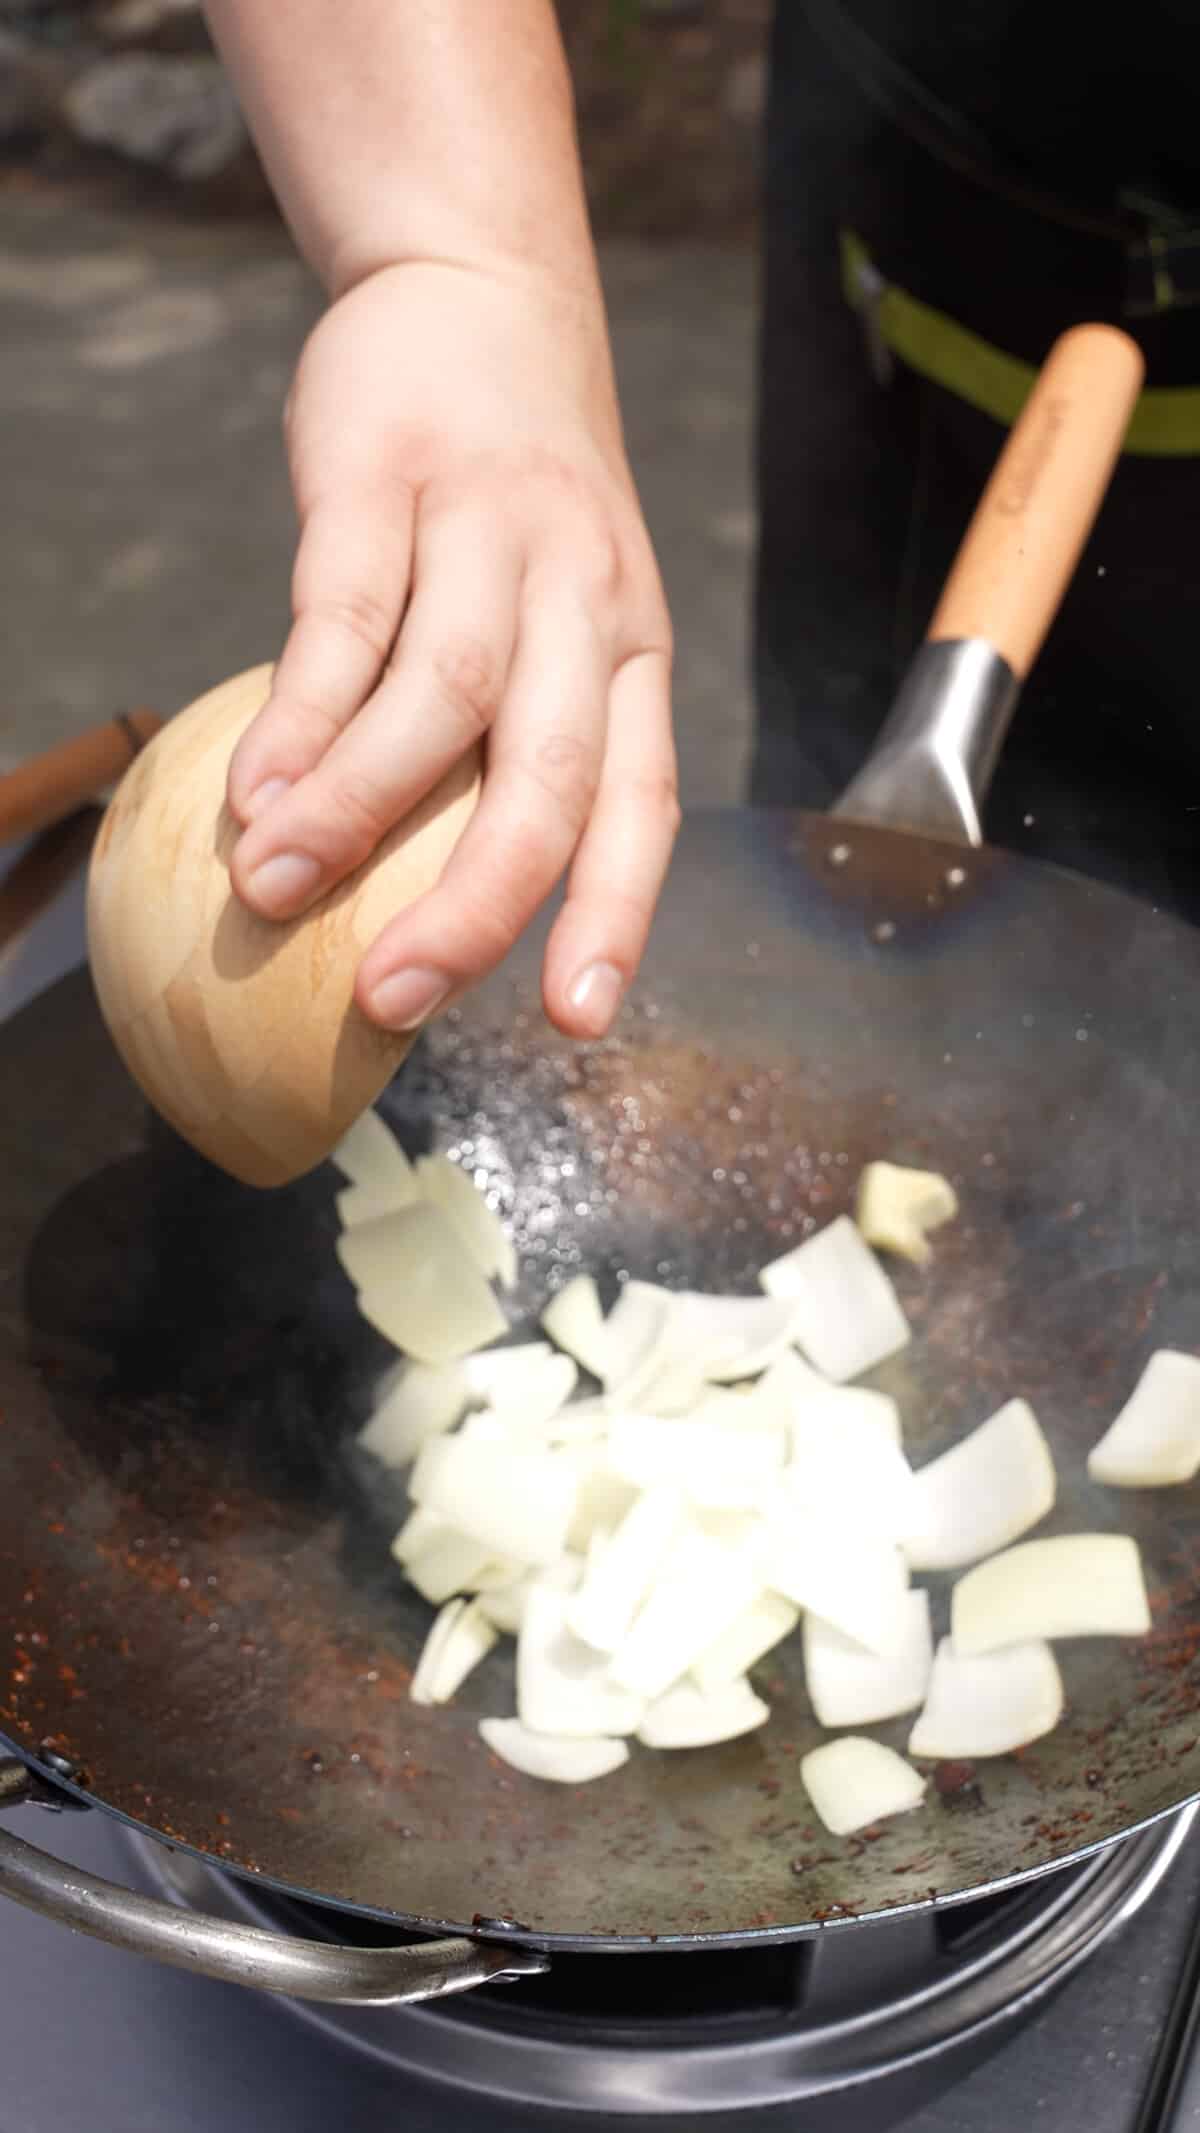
<point>398,130</point>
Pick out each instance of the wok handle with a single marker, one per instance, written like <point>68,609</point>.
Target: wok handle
<point>933,762</point>
<point>64,778</point>
<point>236,1954</point>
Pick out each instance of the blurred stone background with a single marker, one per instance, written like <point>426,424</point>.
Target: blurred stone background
<point>153,307</point>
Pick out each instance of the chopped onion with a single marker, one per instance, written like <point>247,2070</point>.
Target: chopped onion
<point>514,1502</point>
<point>722,1468</point>
<point>763,1624</point>
<point>459,1639</point>
<point>450,1563</point>
<point>563,1686</point>
<point>1155,1439</point>
<point>417,1532</point>
<point>732,1336</point>
<point>423,1401</point>
<point>990,1704</point>
<point>541,1755</point>
<point>982,1493</point>
<point>854,1782</point>
<point>505,1604</point>
<point>857,1584</point>
<point>702,1586</point>
<point>691,1717</point>
<point>851,1474</point>
<point>497,1373</point>
<point>847,1316</point>
<point>602,1499</point>
<point>371,1156</point>
<point>416,1286</point>
<point>575,1322</point>
<point>583,1423</point>
<point>897,1207</point>
<point>634,1338</point>
<point>484,1236</point>
<point>361,1203</point>
<point>1077,1585</point>
<point>621,1567</point>
<point>529,1398</point>
<point>673,1387</point>
<point>848,1686</point>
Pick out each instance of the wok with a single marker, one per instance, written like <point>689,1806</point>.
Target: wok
<point>203,1630</point>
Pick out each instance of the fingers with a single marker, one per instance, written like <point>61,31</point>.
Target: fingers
<point>544,767</point>
<point>349,587</point>
<point>437,697</point>
<point>599,935</point>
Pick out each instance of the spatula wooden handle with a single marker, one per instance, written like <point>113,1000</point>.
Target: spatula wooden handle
<point>1037,510</point>
<point>53,785</point>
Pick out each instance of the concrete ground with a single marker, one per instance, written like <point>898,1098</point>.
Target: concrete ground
<point>146,527</point>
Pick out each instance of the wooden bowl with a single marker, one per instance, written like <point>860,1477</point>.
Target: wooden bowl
<point>243,1033</point>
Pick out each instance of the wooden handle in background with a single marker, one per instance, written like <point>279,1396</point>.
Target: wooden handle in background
<point>53,785</point>
<point>1033,518</point>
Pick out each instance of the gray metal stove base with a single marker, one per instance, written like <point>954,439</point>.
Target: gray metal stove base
<point>94,2041</point>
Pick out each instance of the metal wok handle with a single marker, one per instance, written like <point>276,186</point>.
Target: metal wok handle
<point>238,1955</point>
<point>933,761</point>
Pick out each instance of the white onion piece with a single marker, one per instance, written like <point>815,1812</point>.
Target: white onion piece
<point>563,1686</point>
<point>897,1207</point>
<point>497,1372</point>
<point>731,1336</point>
<point>635,1338</point>
<point>982,1493</point>
<point>530,1402</point>
<point>419,1530</point>
<point>602,1499</point>
<point>847,1316</point>
<point>539,1755</point>
<point>444,1184</point>
<point>583,1423</point>
<point>459,1639</point>
<point>486,1427</point>
<point>1155,1440</point>
<point>858,1583</point>
<point>763,1624</point>
<point>575,1323</point>
<point>514,1502</point>
<point>505,1604</point>
<point>451,1563</point>
<point>621,1567</point>
<point>701,1587</point>
<point>851,1473</point>
<point>854,1782</point>
<point>370,1155</point>
<point>794,1388</point>
<point>417,1287</point>
<point>1077,1585</point>
<point>691,1717</point>
<point>423,1401</point>
<point>673,1388</point>
<point>990,1704</point>
<point>721,1468</point>
<point>848,1686</point>
<point>361,1203</point>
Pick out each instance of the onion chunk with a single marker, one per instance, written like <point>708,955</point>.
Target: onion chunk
<point>459,1639</point>
<point>854,1781</point>
<point>846,1314</point>
<point>897,1208</point>
<point>563,1686</point>
<point>486,1241</point>
<point>424,1401</point>
<point>850,1686</point>
<point>575,1323</point>
<point>417,1287</point>
<point>691,1717</point>
<point>1078,1585</point>
<point>859,1589</point>
<point>621,1569</point>
<point>370,1155</point>
<point>983,1493</point>
<point>701,1588</point>
<point>990,1704</point>
<point>515,1503</point>
<point>562,1761</point>
<point>1155,1440</point>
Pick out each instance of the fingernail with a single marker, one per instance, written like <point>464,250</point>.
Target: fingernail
<point>406,998</point>
<point>265,795</point>
<point>596,995</point>
<point>281,883</point>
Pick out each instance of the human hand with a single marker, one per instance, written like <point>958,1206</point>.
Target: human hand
<point>472,564</point>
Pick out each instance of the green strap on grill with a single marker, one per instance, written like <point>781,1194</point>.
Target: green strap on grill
<point>1166,420</point>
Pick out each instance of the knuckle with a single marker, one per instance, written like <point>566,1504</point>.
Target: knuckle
<point>467,684</point>
<point>359,614</point>
<point>561,768</point>
<point>657,795</point>
<point>358,815</point>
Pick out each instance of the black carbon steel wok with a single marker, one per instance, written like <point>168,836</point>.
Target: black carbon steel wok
<point>198,1608</point>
